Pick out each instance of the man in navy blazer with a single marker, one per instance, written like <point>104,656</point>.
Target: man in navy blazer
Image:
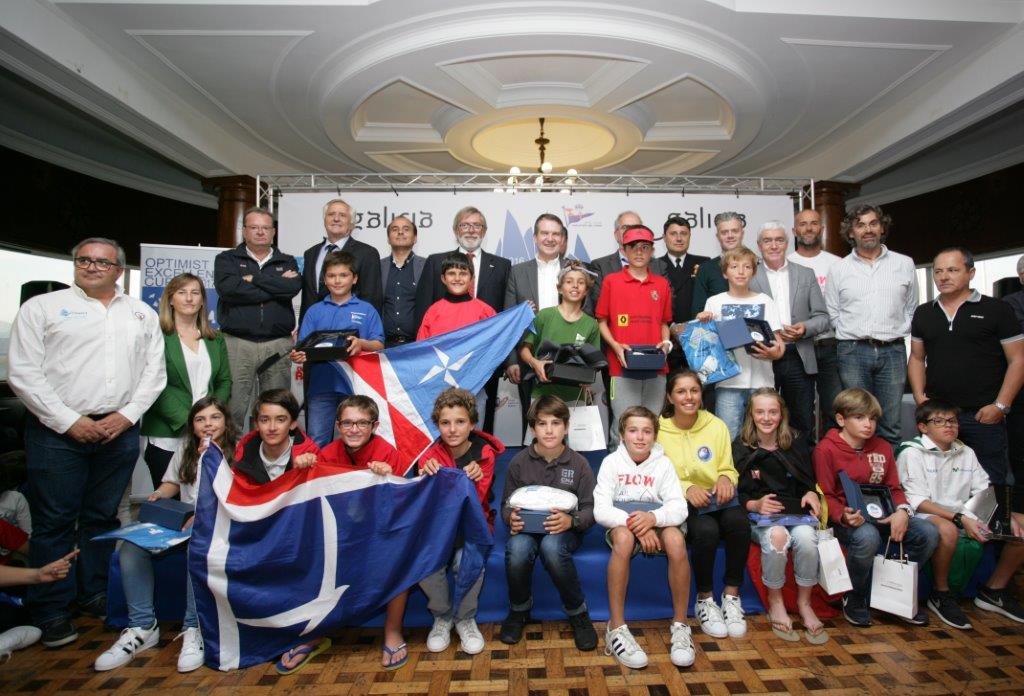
<point>804,315</point>
<point>338,224</point>
<point>679,268</point>
<point>400,273</point>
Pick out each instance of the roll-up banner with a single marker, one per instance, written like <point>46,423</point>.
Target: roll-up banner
<point>161,262</point>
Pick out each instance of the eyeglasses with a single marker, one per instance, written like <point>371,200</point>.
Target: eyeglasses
<point>944,421</point>
<point>466,226</point>
<point>100,264</point>
<point>358,425</point>
<point>264,228</point>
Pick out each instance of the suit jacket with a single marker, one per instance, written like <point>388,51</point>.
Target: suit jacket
<point>418,262</point>
<point>367,288</point>
<point>604,266</point>
<point>682,289</point>
<point>490,287</point>
<point>167,416</point>
<point>806,305</point>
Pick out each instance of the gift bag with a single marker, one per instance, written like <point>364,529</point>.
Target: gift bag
<point>833,576</point>
<point>586,433</point>
<point>705,354</point>
<point>894,585</point>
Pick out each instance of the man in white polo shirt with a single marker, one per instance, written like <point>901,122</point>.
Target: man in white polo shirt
<point>87,362</point>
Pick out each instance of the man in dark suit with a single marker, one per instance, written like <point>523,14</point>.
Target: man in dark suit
<point>803,314</point>
<point>709,281</point>
<point>338,223</point>
<point>400,273</point>
<point>615,261</point>
<point>680,268</point>
<point>490,278</point>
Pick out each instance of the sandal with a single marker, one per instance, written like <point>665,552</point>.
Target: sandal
<point>817,635</point>
<point>389,657</point>
<point>308,652</point>
<point>785,632</point>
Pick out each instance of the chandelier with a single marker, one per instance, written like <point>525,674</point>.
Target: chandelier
<point>543,179</point>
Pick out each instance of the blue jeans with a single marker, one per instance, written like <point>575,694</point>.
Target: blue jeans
<point>321,413</point>
<point>827,382</point>
<point>803,541</point>
<point>865,542</point>
<point>882,370</point>
<point>556,554</point>
<point>731,406</point>
<point>137,581</point>
<point>73,490</point>
<point>990,443</point>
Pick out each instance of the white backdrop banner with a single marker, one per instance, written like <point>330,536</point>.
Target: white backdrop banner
<point>589,217</point>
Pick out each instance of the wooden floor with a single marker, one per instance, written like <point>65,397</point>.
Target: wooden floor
<point>888,657</point>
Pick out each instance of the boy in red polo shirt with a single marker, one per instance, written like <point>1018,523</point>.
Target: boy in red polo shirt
<point>634,308</point>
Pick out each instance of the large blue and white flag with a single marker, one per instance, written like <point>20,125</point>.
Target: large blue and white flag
<point>405,380</point>
<point>279,564</point>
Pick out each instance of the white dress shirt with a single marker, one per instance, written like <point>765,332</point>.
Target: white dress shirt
<point>199,369</point>
<point>872,300</point>
<point>779,283</point>
<point>323,252</point>
<point>547,283</point>
<point>72,356</point>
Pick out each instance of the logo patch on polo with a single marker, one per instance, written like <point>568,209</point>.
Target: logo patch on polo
<point>704,453</point>
<point>654,295</point>
<point>622,320</point>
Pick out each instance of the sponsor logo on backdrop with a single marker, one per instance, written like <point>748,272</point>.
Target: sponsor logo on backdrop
<point>701,219</point>
<point>380,219</point>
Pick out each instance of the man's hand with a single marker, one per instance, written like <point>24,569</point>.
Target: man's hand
<point>989,415</point>
<point>247,278</point>
<point>811,500</point>
<point>304,461</point>
<point>974,528</point>
<point>58,570</point>
<point>793,332</point>
<point>515,522</point>
<point>724,490</point>
<point>649,541</point>
<point>297,356</point>
<point>852,518</point>
<point>287,274</point>
<point>512,373</point>
<point>769,505</point>
<point>473,471</point>
<point>641,522</point>
<point>380,468</point>
<point>113,425</point>
<point>557,522</point>
<point>697,496</point>
<point>430,467</point>
<point>898,523</point>
<point>86,430</point>
<point>1017,524</point>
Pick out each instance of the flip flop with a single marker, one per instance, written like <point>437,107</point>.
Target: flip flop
<point>818,637</point>
<point>787,634</point>
<point>389,653</point>
<point>308,653</point>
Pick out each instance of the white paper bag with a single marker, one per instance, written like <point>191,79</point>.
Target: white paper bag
<point>586,433</point>
<point>894,585</point>
<point>833,576</point>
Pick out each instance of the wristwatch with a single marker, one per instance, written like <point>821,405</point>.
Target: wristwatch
<point>575,521</point>
<point>906,508</point>
<point>1002,407</point>
<point>958,520</point>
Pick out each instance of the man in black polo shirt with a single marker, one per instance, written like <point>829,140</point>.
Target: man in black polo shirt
<point>400,272</point>
<point>967,349</point>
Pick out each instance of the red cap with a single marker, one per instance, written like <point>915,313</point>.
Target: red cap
<point>637,234</point>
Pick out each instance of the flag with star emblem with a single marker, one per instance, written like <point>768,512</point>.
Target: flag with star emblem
<point>406,380</point>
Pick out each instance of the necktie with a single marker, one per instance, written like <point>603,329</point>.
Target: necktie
<point>679,262</point>
<point>472,282</point>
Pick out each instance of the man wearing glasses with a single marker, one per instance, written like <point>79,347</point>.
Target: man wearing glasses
<point>87,362</point>
<point>255,285</point>
<point>967,349</point>
<point>615,261</point>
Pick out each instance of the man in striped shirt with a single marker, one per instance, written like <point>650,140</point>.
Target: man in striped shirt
<point>871,295</point>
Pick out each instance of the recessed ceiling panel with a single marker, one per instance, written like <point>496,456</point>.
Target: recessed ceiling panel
<point>400,102</point>
<point>571,142</point>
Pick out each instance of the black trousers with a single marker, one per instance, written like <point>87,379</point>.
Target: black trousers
<point>705,531</point>
<point>797,388</point>
<point>156,460</point>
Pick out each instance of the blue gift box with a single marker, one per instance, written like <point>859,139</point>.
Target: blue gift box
<point>172,514</point>
<point>533,520</point>
<point>644,358</point>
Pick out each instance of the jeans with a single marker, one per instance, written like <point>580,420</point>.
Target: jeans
<point>438,591</point>
<point>990,443</point>
<point>73,490</point>
<point>797,388</point>
<point>865,542</point>
<point>626,392</point>
<point>556,554</point>
<point>244,356</point>
<point>731,407</point>
<point>827,382</point>
<point>137,581</point>
<point>705,531</point>
<point>882,370</point>
<point>803,541</point>
<point>321,413</point>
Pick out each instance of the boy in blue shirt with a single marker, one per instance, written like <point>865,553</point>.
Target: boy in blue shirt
<point>326,388</point>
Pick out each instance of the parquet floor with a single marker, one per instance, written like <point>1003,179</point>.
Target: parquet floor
<point>890,657</point>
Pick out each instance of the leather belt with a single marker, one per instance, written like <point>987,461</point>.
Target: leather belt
<point>879,344</point>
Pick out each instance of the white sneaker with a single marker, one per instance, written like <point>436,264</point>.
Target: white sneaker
<point>710,616</point>
<point>734,621</point>
<point>682,653</point>
<point>472,639</point>
<point>193,653</point>
<point>132,641</point>
<point>440,635</point>
<point>621,645</point>
<point>17,638</point>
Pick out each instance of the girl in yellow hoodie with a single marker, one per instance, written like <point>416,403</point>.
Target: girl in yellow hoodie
<point>699,447</point>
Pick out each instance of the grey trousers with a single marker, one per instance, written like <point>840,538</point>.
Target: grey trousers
<point>245,356</point>
<point>627,392</point>
<point>439,600</point>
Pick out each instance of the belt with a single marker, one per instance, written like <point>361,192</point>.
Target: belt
<point>826,342</point>
<point>99,416</point>
<point>878,344</point>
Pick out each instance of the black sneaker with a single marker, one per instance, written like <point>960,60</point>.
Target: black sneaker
<point>95,607</point>
<point>1001,602</point>
<point>58,633</point>
<point>512,627</point>
<point>583,632</point>
<point>946,607</point>
<point>855,610</point>
<point>919,619</point>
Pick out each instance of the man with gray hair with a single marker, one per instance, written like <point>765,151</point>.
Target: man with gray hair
<point>710,281</point>
<point>87,362</point>
<point>803,315</point>
<point>615,261</point>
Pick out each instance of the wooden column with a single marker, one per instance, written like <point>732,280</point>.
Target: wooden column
<point>830,202</point>
<point>234,195</point>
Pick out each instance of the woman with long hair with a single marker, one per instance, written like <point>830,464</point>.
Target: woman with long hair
<point>197,366</point>
<point>777,476</point>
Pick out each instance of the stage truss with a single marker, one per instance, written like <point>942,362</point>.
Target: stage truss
<point>270,187</point>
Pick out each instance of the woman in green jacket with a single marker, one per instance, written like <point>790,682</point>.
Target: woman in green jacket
<point>197,366</point>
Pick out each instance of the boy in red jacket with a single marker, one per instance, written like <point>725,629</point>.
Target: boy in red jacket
<point>866,458</point>
<point>473,451</point>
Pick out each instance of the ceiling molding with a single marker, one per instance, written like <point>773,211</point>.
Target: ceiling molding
<point>397,133</point>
